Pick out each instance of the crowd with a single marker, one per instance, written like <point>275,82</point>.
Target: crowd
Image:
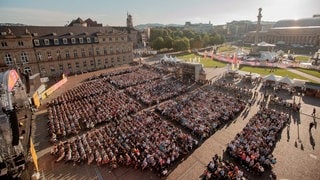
<point>134,78</point>
<point>220,169</point>
<point>278,102</point>
<point>202,111</point>
<point>253,146</point>
<point>87,105</point>
<point>114,73</point>
<point>233,90</point>
<point>158,90</point>
<point>143,141</point>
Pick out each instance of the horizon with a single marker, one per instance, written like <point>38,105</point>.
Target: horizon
<point>52,13</point>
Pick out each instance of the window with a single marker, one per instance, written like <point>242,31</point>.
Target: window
<point>80,40</point>
<point>8,59</point>
<point>61,67</point>
<point>117,38</point>
<point>106,61</point>
<point>99,62</point>
<point>46,42</point>
<point>77,65</point>
<point>91,63</point>
<point>75,53</point>
<point>83,52</point>
<point>73,40</point>
<point>58,55</point>
<point>111,50</point>
<point>90,52</point>
<point>56,41</point>
<point>103,39</point>
<point>43,71</point>
<point>4,44</point>
<point>98,51</point>
<point>118,59</point>
<point>36,42</point>
<point>49,55</point>
<point>122,38</point>
<point>67,54</point>
<point>96,39</point>
<point>27,70</point>
<point>88,40</point>
<point>20,43</point>
<point>52,69</point>
<point>69,66</point>
<point>65,41</point>
<point>84,63</point>
<point>24,58</point>
<point>105,52</point>
<point>39,56</point>
<point>110,38</point>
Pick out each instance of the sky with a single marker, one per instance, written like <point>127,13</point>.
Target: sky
<point>114,12</point>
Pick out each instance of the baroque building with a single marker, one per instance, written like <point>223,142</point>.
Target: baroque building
<point>302,32</point>
<point>52,50</point>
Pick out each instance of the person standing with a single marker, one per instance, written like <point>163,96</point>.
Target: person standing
<point>314,112</point>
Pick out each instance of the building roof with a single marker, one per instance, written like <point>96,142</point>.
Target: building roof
<point>305,22</point>
<point>57,31</point>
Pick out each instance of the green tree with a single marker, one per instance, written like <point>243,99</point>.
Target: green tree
<point>181,44</point>
<point>158,43</point>
<point>168,42</point>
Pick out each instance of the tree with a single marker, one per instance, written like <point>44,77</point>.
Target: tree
<point>168,42</point>
<point>181,44</point>
<point>158,43</point>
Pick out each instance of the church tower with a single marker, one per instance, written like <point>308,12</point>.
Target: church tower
<point>129,21</point>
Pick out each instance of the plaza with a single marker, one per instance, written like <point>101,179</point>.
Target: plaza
<point>296,149</point>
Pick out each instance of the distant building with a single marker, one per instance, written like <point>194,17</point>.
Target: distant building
<point>302,32</point>
<point>199,27</point>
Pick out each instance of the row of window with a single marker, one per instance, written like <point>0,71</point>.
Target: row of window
<point>85,64</point>
<point>64,41</point>
<point>5,44</point>
<point>11,61</point>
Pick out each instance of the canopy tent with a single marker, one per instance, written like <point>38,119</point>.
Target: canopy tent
<point>270,77</point>
<point>285,80</point>
<point>298,82</point>
<point>265,44</point>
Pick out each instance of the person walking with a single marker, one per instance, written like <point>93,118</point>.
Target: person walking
<point>314,112</point>
<point>311,126</point>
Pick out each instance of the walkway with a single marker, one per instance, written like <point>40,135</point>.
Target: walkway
<point>304,75</point>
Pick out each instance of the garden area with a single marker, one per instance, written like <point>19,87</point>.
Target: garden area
<point>207,62</point>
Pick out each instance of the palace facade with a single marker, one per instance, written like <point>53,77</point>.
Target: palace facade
<point>53,50</point>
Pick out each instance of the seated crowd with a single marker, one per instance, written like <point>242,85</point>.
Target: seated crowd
<point>220,169</point>
<point>114,73</point>
<point>158,90</point>
<point>202,111</point>
<point>84,107</point>
<point>253,146</point>
<point>141,141</point>
<point>134,78</point>
<point>279,102</point>
<point>232,89</point>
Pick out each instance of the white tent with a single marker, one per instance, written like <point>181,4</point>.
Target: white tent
<point>270,77</point>
<point>265,44</point>
<point>285,80</point>
<point>298,82</point>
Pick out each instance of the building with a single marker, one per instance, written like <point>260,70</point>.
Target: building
<point>296,33</point>
<point>53,50</point>
<point>199,27</point>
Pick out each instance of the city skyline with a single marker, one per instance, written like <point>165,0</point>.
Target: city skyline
<point>52,13</point>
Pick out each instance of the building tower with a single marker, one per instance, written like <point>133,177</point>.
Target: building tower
<point>256,39</point>
<point>129,21</point>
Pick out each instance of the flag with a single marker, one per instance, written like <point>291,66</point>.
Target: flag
<point>34,155</point>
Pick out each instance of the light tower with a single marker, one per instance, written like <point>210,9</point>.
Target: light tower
<point>256,39</point>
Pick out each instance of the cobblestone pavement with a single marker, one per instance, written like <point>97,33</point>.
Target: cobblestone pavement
<point>297,151</point>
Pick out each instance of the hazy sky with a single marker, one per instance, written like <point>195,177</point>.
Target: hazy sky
<point>113,12</point>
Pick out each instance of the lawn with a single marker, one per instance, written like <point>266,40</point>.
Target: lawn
<point>302,58</point>
<point>278,71</point>
<point>226,48</point>
<point>310,72</point>
<point>207,62</point>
